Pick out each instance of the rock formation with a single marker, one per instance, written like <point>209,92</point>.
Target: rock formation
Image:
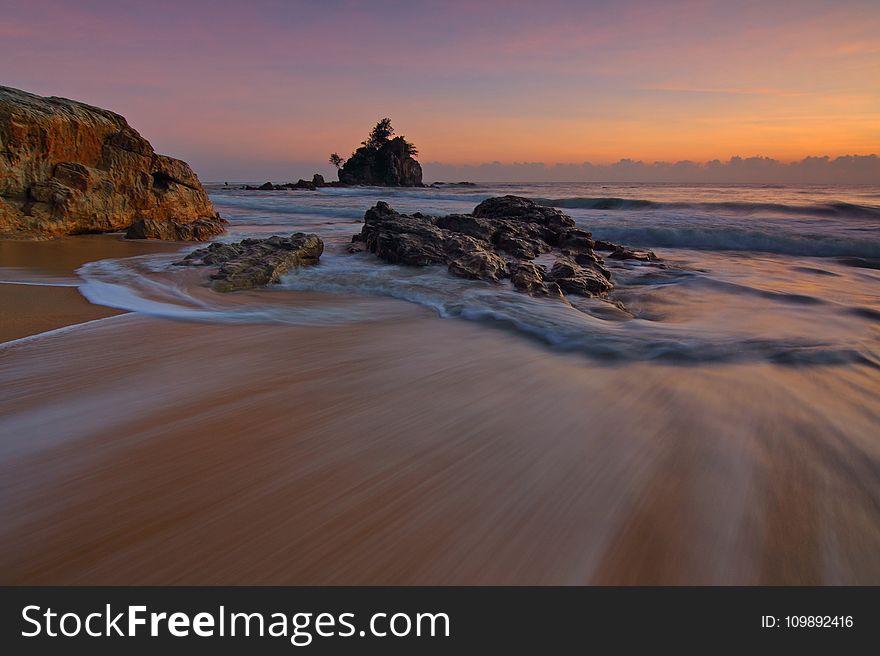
<point>70,168</point>
<point>500,239</point>
<point>255,262</point>
<point>618,252</point>
<point>168,229</point>
<point>316,182</point>
<point>390,165</point>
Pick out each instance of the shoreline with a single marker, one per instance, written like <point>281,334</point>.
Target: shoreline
<point>38,290</point>
<point>31,309</point>
<point>410,449</point>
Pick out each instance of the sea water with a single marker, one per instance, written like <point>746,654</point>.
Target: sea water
<point>775,273</point>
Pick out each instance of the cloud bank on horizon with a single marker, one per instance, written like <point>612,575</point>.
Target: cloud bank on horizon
<point>849,169</point>
<point>267,89</point>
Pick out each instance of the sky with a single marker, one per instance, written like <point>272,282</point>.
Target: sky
<point>492,90</point>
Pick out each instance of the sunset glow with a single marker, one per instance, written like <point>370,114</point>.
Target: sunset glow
<point>260,88</point>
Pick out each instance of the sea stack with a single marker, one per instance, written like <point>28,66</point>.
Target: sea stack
<point>387,166</point>
<point>382,160</point>
<point>69,168</point>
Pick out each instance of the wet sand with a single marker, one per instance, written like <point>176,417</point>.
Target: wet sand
<point>38,280</point>
<point>422,451</point>
<point>64,255</point>
<point>32,309</point>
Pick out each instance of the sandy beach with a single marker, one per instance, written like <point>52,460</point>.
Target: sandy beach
<point>38,280</point>
<point>419,450</point>
<point>31,309</point>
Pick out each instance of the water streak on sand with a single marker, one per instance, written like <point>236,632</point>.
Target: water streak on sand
<point>420,451</point>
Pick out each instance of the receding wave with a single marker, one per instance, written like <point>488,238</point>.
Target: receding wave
<point>834,209</point>
<point>152,286</point>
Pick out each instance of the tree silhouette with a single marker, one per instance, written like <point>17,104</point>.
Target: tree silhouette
<point>379,135</point>
<point>336,160</point>
<point>409,147</point>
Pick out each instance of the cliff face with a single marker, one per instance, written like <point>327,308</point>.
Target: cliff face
<point>389,166</point>
<point>69,168</point>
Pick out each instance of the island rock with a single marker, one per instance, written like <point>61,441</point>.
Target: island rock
<point>390,165</point>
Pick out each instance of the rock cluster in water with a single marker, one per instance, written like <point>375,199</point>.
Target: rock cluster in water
<point>70,168</point>
<point>255,262</point>
<point>499,240</point>
<point>315,183</point>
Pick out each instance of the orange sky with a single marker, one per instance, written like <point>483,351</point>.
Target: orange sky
<point>282,84</point>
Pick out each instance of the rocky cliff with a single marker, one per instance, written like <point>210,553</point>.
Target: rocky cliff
<point>389,166</point>
<point>70,168</point>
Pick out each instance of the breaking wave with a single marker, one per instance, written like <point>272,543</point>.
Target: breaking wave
<point>733,238</point>
<point>834,209</point>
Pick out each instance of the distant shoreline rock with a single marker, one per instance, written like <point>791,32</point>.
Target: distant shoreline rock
<point>499,240</point>
<point>316,182</point>
<point>69,168</point>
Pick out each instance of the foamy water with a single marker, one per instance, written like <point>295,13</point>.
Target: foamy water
<point>753,272</point>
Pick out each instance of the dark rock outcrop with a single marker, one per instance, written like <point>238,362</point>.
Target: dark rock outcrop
<point>618,252</point>
<point>316,182</point>
<point>388,166</point>
<point>576,279</point>
<point>500,239</point>
<point>255,262</point>
<point>70,168</point>
<point>301,184</point>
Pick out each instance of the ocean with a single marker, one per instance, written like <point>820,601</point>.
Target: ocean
<point>772,273</point>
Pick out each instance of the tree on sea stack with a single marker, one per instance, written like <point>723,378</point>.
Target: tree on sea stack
<point>409,147</point>
<point>383,159</point>
<point>379,135</point>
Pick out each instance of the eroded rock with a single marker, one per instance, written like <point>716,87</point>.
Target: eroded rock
<point>575,279</point>
<point>479,265</point>
<point>618,252</point>
<point>198,230</point>
<point>529,277</point>
<point>255,262</point>
<point>70,168</point>
<point>499,240</point>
